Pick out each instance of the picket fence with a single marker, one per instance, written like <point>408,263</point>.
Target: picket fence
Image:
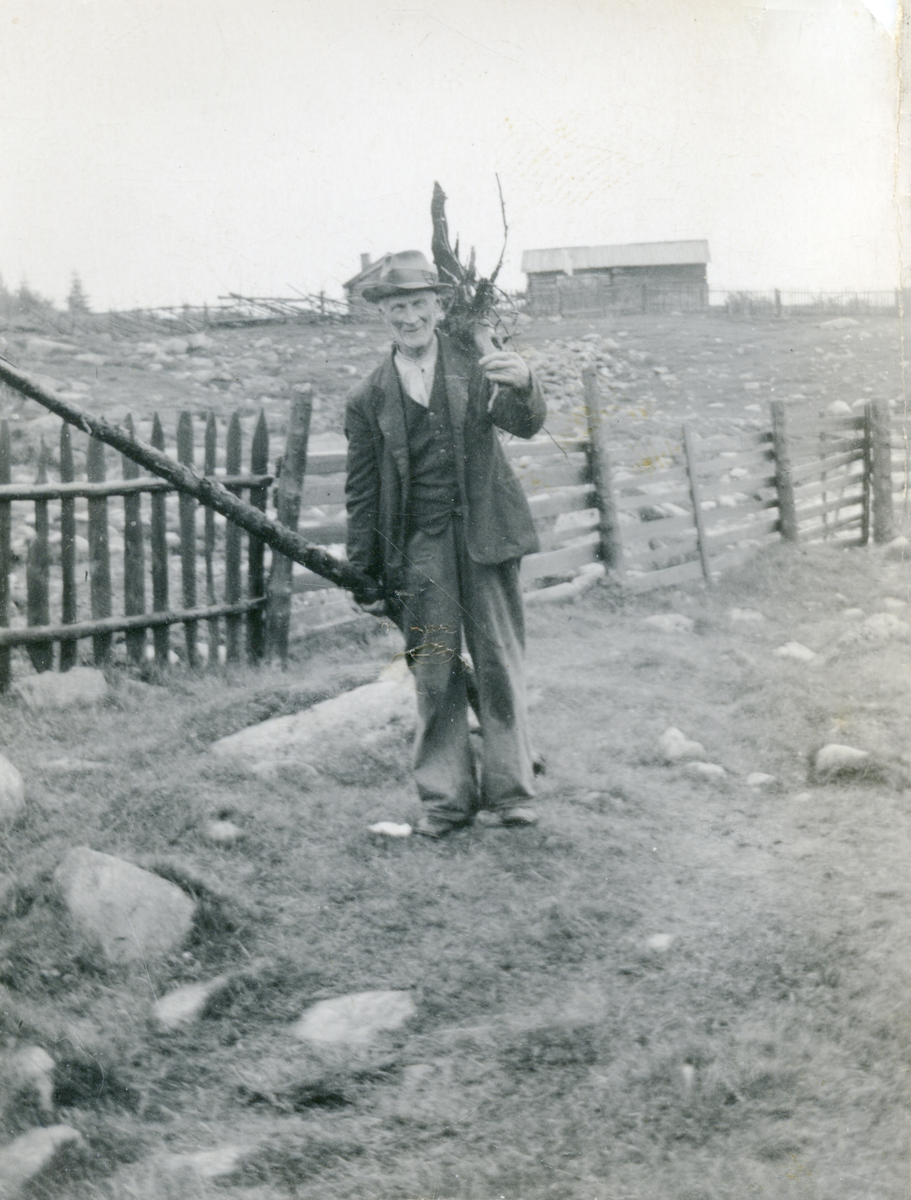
<point>649,516</point>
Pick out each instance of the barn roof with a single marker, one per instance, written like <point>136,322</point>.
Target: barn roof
<point>366,273</point>
<point>639,254</point>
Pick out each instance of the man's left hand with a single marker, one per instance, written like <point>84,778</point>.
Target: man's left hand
<point>508,368</point>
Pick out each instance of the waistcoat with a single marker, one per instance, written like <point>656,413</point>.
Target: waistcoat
<point>434,486</point>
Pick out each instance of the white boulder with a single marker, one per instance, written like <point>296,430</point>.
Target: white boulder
<point>675,745</point>
<point>12,790</point>
<point>355,1019</point>
<point>795,650</point>
<point>837,757</point>
<point>670,622</point>
<point>184,1004</point>
<point>22,1159</point>
<point>53,689</point>
<point>130,912</point>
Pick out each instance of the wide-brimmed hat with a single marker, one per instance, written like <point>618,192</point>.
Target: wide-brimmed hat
<point>408,271</point>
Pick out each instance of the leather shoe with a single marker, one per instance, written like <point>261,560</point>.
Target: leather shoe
<point>519,816</point>
<point>437,827</point>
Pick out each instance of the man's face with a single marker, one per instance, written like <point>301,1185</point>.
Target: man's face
<point>413,318</point>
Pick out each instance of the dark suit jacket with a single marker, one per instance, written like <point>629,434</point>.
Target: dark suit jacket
<point>498,523</point>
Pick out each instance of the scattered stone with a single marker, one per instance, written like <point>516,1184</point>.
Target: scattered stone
<point>175,345</point>
<point>802,797</point>
<point>12,790</point>
<point>675,745</point>
<point>73,766</point>
<point>354,1019</point>
<point>853,614</point>
<point>899,548</point>
<point>878,627</point>
<point>208,1164</point>
<point>838,408</point>
<point>795,650</point>
<point>28,1073</point>
<point>706,769</point>
<point>371,724</point>
<point>130,912</point>
<point>758,779</point>
<point>836,758</point>
<point>670,622</point>
<point>184,1004</point>
<point>660,941</point>
<point>22,1159</point>
<point>54,689</point>
<point>839,323</point>
<point>390,829</point>
<point>894,604</point>
<point>224,833</point>
<point>745,614</point>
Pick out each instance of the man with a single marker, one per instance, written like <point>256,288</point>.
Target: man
<point>438,519</point>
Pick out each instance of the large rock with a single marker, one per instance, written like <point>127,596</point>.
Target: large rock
<point>837,759</point>
<point>333,735</point>
<point>52,689</point>
<point>130,912</point>
<point>184,1004</point>
<point>22,1159</point>
<point>12,790</point>
<point>28,1074</point>
<point>356,1019</point>
<point>674,745</point>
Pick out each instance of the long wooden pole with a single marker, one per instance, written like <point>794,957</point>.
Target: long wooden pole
<point>208,491</point>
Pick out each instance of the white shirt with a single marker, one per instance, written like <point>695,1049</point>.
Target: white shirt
<point>416,374</point>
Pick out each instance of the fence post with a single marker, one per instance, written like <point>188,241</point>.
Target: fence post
<point>133,559</point>
<point>99,556</point>
<point>186,507</point>
<point>879,435</point>
<point>287,504</point>
<point>233,589</point>
<point>5,551</point>
<point>69,611</point>
<point>209,463</point>
<point>696,500</point>
<point>37,575</point>
<point>599,465</point>
<point>161,634</point>
<point>777,303</point>
<point>256,579</point>
<point>784,483</point>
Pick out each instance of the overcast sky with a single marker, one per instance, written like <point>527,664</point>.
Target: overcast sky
<point>172,150</point>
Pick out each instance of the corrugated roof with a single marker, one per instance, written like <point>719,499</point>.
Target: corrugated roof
<point>639,254</point>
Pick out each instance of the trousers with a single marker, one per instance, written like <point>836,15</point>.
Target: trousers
<point>447,598</point>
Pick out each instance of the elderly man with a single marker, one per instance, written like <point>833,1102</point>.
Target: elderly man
<point>437,518</point>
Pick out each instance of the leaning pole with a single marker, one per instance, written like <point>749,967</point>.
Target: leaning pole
<point>203,487</point>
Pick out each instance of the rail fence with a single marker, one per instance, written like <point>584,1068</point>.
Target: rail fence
<point>651,515</point>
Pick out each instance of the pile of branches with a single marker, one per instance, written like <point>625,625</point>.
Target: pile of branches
<point>477,311</point>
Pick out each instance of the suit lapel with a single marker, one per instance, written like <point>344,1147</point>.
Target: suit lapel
<point>391,418</point>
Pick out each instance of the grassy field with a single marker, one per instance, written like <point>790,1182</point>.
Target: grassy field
<point>672,987</point>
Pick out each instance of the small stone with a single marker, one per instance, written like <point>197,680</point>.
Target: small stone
<point>355,1019</point>
<point>894,604</point>
<point>390,829</point>
<point>208,1164</point>
<point>802,797</point>
<point>795,650</point>
<point>838,408</point>
<point>758,779</point>
<point>899,548</point>
<point>745,614</point>
<point>28,1072</point>
<point>837,757</point>
<point>224,833</point>
<point>130,912</point>
<point>675,745</point>
<point>706,769</point>
<point>852,614</point>
<point>22,1159</point>
<point>670,622</point>
<point>54,689</point>
<point>839,323</point>
<point>660,941</point>
<point>12,790</point>
<point>184,1004</point>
